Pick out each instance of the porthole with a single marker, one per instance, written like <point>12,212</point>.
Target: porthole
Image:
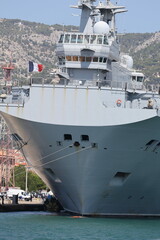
<point>84,138</point>
<point>67,137</point>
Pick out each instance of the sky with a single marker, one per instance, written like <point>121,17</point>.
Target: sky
<point>142,16</point>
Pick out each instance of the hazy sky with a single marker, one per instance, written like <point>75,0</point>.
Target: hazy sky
<point>142,15</point>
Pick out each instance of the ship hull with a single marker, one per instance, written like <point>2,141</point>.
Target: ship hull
<point>114,171</point>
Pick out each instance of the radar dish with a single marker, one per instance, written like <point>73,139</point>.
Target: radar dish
<point>101,27</point>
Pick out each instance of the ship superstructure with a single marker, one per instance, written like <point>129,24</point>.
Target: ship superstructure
<point>93,135</point>
<point>85,58</point>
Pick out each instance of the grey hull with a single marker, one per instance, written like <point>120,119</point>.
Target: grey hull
<point>116,171</point>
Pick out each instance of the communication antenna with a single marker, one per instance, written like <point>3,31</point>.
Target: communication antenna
<point>7,69</point>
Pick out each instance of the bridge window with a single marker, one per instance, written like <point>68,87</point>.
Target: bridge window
<point>82,59</point>
<point>61,38</point>
<point>95,59</point>
<point>68,58</point>
<point>75,58</point>
<point>99,39</point>
<point>80,39</point>
<point>104,60</point>
<point>61,60</point>
<point>73,38</point>
<point>88,59</point>
<point>139,79</point>
<point>86,38</point>
<point>93,39</point>
<point>67,38</point>
<point>105,41</point>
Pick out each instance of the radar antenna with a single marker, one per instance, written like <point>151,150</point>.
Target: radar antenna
<point>8,68</point>
<point>87,1</point>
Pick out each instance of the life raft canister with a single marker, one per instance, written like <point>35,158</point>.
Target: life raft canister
<point>119,102</point>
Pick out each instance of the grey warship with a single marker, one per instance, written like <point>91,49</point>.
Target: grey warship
<point>92,135</point>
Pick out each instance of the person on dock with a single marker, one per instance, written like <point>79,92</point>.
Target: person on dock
<point>2,197</point>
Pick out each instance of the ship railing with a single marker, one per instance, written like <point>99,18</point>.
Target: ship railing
<point>153,88</point>
<point>41,81</point>
<point>109,84</point>
<point>131,86</point>
<point>13,95</point>
<point>150,103</point>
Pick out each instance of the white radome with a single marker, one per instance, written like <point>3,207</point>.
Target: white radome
<point>101,27</point>
<point>127,61</point>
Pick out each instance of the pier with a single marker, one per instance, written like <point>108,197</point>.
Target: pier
<point>21,207</point>
<point>12,206</point>
<point>35,205</point>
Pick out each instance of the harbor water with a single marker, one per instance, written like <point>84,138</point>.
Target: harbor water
<point>46,226</point>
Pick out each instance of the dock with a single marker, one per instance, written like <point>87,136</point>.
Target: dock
<point>35,205</point>
<point>22,207</point>
<point>12,206</point>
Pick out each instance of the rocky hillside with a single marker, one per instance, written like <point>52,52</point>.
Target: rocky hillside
<point>23,41</point>
<point>144,48</point>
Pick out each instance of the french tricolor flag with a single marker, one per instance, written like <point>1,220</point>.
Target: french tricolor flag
<point>35,67</point>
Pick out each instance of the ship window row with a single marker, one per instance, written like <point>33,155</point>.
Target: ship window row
<point>69,137</point>
<point>84,39</point>
<point>82,59</point>
<point>137,78</point>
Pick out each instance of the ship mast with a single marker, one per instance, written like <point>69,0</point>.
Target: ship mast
<point>104,11</point>
<point>107,13</point>
<point>87,15</point>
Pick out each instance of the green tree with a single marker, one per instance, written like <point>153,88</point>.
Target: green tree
<point>34,181</point>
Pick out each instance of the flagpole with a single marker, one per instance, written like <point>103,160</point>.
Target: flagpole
<point>29,75</point>
<point>31,79</point>
<point>34,67</point>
